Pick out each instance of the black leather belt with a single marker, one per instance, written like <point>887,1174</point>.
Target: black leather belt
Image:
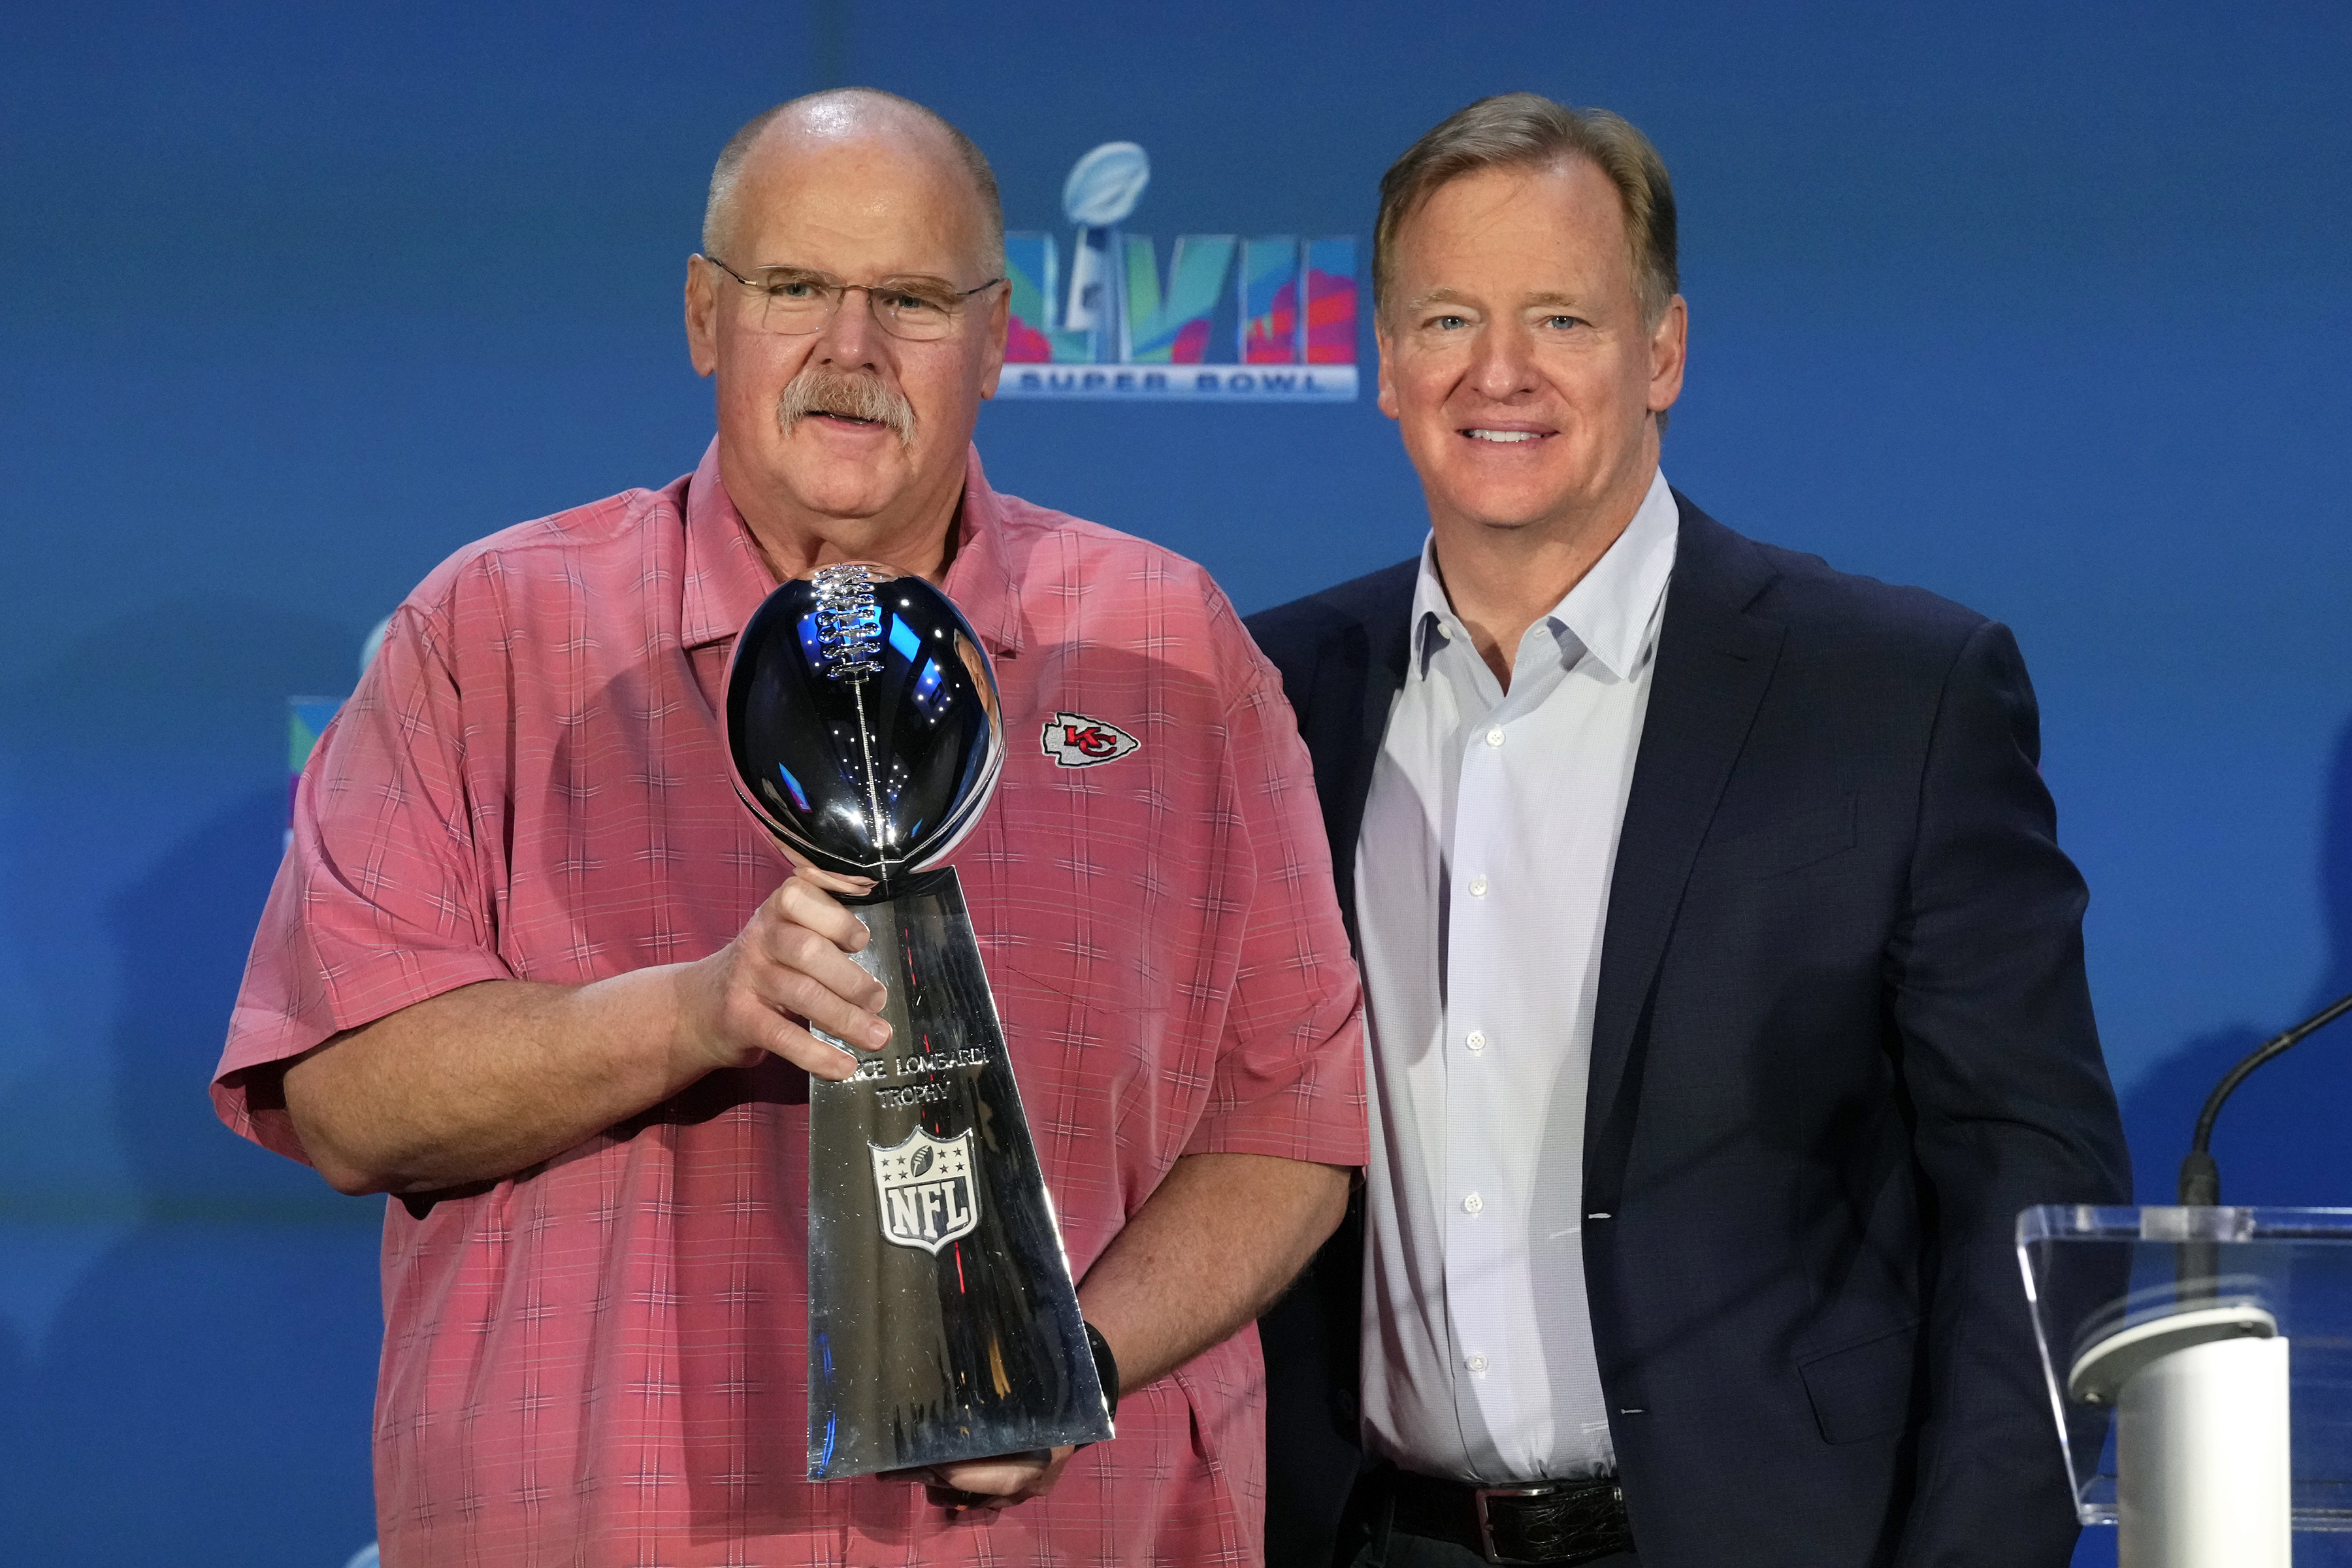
<point>1554,1522</point>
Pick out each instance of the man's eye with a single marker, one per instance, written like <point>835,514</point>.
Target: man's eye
<point>913,305</point>
<point>1448,323</point>
<point>792,288</point>
<point>1562,323</point>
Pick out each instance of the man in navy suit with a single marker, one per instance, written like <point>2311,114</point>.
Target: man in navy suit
<point>1724,974</point>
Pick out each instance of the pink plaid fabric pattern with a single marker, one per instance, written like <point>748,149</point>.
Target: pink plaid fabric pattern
<point>603,1360</point>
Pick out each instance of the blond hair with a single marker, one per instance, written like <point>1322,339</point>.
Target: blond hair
<point>1527,130</point>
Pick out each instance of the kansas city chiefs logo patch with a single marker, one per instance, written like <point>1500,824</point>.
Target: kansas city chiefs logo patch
<point>1075,741</point>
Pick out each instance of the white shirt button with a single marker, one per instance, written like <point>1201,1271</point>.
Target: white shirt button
<point>1477,887</point>
<point>1473,1204</point>
<point>1495,736</point>
<point>1475,1039</point>
<point>1474,1361</point>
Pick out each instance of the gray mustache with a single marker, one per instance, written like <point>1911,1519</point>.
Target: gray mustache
<point>823,391</point>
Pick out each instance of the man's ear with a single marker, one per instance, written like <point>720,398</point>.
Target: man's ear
<point>701,316</point>
<point>1385,397</point>
<point>1000,321</point>
<point>1669,344</point>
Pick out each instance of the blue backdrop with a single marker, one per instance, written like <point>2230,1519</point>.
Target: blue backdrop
<point>2042,307</point>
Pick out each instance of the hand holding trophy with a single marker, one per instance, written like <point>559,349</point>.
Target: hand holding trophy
<point>863,723</point>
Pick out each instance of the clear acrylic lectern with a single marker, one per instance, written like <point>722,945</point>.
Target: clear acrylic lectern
<point>2200,1366</point>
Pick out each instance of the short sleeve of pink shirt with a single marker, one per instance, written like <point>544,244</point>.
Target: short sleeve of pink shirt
<point>383,899</point>
<point>603,1359</point>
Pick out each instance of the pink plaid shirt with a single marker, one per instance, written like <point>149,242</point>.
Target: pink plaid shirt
<point>602,1360</point>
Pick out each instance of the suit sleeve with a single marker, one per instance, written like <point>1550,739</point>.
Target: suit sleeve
<point>2000,1058</point>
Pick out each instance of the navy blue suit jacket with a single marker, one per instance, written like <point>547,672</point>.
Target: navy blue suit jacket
<point>1843,1035</point>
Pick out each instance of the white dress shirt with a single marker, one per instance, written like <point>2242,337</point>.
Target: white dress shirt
<point>1482,891</point>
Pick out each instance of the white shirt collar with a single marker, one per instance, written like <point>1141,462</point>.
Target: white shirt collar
<point>1611,611</point>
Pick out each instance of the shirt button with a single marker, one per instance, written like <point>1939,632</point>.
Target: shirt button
<point>1473,1204</point>
<point>1475,1039</point>
<point>1477,887</point>
<point>1474,1361</point>
<point>1495,736</point>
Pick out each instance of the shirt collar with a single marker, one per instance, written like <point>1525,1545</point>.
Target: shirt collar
<point>1610,611</point>
<point>1432,614</point>
<point>980,579</point>
<point>726,576</point>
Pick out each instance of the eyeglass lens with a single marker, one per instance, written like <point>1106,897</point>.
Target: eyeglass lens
<point>793,302</point>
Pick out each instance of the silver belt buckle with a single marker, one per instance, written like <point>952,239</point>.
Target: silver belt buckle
<point>1486,1528</point>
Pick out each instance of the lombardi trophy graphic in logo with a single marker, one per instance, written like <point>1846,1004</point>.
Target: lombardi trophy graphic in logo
<point>1101,191</point>
<point>1269,318</point>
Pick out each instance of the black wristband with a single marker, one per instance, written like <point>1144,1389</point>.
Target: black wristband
<point>1106,1367</point>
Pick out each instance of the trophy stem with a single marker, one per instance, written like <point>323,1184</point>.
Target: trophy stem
<point>943,1324</point>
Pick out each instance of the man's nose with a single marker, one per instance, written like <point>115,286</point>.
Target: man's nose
<point>1503,363</point>
<point>852,338</point>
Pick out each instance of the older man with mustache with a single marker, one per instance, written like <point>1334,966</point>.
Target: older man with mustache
<point>529,969</point>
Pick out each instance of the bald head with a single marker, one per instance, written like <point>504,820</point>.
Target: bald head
<point>840,116</point>
<point>843,434</point>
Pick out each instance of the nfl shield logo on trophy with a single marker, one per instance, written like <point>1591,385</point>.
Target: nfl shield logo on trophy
<point>926,1190</point>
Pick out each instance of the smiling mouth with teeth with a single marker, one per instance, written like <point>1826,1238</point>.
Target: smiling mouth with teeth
<point>1508,435</point>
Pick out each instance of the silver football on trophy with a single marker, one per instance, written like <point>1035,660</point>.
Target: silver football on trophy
<point>862,719</point>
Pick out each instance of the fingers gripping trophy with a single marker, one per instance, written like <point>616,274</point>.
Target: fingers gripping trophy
<point>863,722</point>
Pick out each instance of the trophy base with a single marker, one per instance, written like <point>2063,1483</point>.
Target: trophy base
<point>943,1324</point>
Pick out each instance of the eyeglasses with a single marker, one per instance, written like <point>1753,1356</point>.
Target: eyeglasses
<point>795,301</point>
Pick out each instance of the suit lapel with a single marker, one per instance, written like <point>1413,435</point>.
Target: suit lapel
<point>1356,684</point>
<point>1714,662</point>
<point>1384,676</point>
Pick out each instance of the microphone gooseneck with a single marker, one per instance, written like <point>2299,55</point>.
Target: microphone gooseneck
<point>2200,1178</point>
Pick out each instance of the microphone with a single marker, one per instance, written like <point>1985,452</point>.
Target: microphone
<point>2200,1178</point>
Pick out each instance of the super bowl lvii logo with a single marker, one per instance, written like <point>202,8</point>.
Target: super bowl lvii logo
<point>1231,319</point>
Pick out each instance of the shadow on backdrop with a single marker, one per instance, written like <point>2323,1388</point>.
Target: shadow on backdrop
<point>2273,1141</point>
<point>219,1361</point>
<point>202,1395</point>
